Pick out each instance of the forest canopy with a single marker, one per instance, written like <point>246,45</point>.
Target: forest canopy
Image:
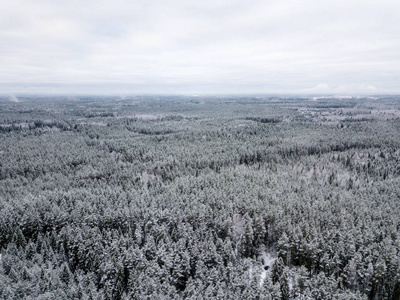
<point>200,198</point>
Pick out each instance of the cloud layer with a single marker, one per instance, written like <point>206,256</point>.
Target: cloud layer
<point>199,46</point>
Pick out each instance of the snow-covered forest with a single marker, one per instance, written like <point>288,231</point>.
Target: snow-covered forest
<point>199,198</point>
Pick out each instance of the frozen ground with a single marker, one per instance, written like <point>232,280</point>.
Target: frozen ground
<point>267,260</point>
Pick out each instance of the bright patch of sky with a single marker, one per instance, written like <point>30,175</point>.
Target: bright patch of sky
<point>195,47</point>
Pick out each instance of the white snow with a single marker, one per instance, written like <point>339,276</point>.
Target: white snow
<point>262,277</point>
<point>14,99</point>
<point>267,260</point>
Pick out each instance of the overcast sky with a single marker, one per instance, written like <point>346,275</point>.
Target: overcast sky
<point>200,47</point>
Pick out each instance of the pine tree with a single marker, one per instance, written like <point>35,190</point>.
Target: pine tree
<point>284,285</point>
<point>277,270</point>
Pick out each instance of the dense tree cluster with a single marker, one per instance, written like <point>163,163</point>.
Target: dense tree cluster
<point>189,198</point>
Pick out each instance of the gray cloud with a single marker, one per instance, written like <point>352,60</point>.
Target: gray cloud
<point>199,46</point>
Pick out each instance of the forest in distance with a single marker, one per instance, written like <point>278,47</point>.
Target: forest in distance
<point>178,197</point>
